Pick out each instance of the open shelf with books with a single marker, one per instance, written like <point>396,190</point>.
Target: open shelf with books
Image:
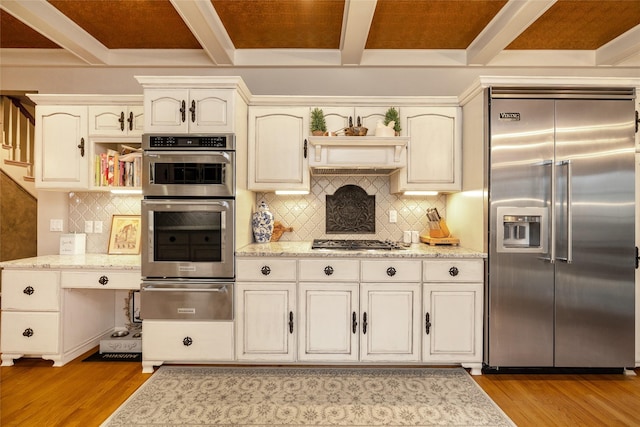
<point>116,165</point>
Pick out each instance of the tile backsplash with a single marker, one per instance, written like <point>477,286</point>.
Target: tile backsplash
<point>306,214</point>
<point>99,207</point>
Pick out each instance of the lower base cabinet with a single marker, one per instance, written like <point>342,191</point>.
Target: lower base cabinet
<point>185,341</point>
<point>266,322</point>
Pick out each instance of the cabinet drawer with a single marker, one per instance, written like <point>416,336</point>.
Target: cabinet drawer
<point>390,270</point>
<point>266,269</point>
<point>187,341</point>
<point>29,333</point>
<point>454,270</point>
<point>329,269</point>
<point>101,279</point>
<point>30,291</point>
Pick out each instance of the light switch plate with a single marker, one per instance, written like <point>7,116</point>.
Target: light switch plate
<point>393,217</point>
<point>97,226</point>
<point>88,226</point>
<point>55,225</point>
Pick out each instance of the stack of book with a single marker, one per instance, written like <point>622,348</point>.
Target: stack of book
<point>119,168</point>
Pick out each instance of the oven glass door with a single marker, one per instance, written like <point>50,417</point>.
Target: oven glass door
<point>189,173</point>
<point>188,238</point>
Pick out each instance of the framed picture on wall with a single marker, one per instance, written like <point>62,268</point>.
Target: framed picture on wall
<point>125,235</point>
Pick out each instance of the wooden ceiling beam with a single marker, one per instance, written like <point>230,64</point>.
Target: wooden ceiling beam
<point>508,24</point>
<point>620,49</point>
<point>51,23</point>
<point>207,28</point>
<point>356,23</point>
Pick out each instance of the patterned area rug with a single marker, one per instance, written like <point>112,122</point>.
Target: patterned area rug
<point>215,396</point>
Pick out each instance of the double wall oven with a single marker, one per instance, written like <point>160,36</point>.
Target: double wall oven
<point>188,226</point>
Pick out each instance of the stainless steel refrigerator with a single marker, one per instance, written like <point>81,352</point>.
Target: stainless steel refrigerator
<point>562,253</point>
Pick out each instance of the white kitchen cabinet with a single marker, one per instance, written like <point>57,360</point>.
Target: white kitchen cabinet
<point>453,312</point>
<point>338,118</point>
<point>278,149</point>
<point>342,320</point>
<point>116,120</point>
<point>61,147</point>
<point>42,318</point>
<point>434,152</point>
<point>390,319</point>
<point>266,322</point>
<point>186,342</point>
<point>329,313</point>
<point>182,110</point>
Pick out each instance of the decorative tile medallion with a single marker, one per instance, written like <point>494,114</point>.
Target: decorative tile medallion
<point>350,210</point>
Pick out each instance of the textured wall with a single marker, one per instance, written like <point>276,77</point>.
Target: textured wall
<point>18,219</point>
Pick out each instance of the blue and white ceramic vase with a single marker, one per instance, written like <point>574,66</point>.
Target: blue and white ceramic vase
<point>262,223</point>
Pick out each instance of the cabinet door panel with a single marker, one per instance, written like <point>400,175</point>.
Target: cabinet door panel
<point>277,155</point>
<point>392,319</point>
<point>326,322</point>
<point>213,110</point>
<point>164,110</point>
<point>30,290</point>
<point>263,322</point>
<point>60,162</point>
<point>455,317</point>
<point>30,332</point>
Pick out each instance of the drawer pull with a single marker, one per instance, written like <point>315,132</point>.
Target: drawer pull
<point>265,270</point>
<point>28,290</point>
<point>328,270</point>
<point>187,341</point>
<point>354,322</point>
<point>453,271</point>
<point>103,280</point>
<point>27,333</point>
<point>391,271</point>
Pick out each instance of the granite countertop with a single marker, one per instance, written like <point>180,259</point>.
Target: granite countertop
<point>84,261</point>
<point>416,250</point>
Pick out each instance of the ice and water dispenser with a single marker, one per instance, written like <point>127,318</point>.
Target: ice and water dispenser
<point>522,229</point>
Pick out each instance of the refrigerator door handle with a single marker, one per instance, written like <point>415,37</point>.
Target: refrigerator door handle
<point>552,214</point>
<point>569,222</point>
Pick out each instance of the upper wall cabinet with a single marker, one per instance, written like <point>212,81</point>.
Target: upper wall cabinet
<point>434,152</point>
<point>278,148</point>
<point>189,110</point>
<point>338,118</point>
<point>116,120</point>
<point>61,147</point>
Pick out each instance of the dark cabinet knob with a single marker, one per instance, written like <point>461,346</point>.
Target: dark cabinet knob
<point>121,120</point>
<point>183,111</point>
<point>187,341</point>
<point>192,110</point>
<point>266,270</point>
<point>28,290</point>
<point>291,322</point>
<point>354,322</point>
<point>103,280</point>
<point>391,271</point>
<point>453,271</point>
<point>427,324</point>
<point>328,270</point>
<point>27,333</point>
<point>130,120</point>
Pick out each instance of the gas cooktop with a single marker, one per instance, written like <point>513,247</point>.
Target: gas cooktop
<point>354,244</point>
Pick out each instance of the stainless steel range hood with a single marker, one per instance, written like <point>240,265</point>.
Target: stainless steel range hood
<point>357,155</point>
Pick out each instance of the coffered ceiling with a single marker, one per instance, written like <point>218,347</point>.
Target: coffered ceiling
<point>320,33</point>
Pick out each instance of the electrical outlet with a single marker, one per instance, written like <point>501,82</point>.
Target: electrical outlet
<point>393,217</point>
<point>97,226</point>
<point>88,226</point>
<point>55,225</point>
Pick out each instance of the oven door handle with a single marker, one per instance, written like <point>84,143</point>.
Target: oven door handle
<point>165,288</point>
<point>201,156</point>
<point>190,202</point>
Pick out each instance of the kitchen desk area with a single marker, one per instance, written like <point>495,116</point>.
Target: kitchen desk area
<point>58,307</point>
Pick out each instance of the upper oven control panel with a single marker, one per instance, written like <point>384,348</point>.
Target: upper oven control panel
<point>189,142</point>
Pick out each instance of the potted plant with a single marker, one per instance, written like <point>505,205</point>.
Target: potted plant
<point>318,124</point>
<point>392,115</point>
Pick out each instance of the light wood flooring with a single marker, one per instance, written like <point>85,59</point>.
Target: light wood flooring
<point>32,393</point>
